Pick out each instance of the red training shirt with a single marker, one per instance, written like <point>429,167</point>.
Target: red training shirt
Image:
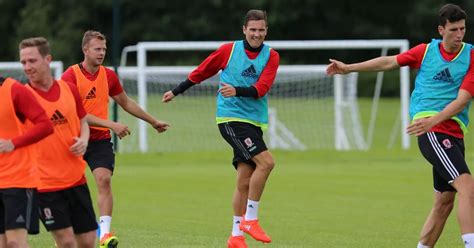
<point>218,61</point>
<point>414,58</point>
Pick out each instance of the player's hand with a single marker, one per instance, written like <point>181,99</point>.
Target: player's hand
<point>160,126</point>
<point>420,126</point>
<point>336,67</point>
<point>227,90</point>
<point>120,129</point>
<point>6,146</point>
<point>168,96</point>
<point>79,147</point>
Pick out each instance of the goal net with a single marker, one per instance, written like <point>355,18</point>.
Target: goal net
<point>307,109</point>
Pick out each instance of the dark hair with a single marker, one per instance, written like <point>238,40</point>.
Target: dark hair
<point>452,13</point>
<point>255,15</point>
<point>91,34</point>
<point>40,42</point>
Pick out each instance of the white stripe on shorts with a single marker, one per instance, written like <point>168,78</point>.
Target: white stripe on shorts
<point>443,157</point>
<point>231,133</point>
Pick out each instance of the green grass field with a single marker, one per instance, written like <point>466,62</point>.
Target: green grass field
<point>318,198</point>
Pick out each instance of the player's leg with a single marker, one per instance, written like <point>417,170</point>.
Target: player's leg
<point>464,184</point>
<point>55,215</point>
<point>64,238</point>
<point>105,201</point>
<point>101,159</point>
<point>265,164</point>
<point>18,205</point>
<point>86,240</point>
<point>244,171</point>
<point>446,154</point>
<point>83,218</point>
<point>434,224</point>
<point>249,141</point>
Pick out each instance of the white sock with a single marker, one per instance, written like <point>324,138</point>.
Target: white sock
<point>235,226</point>
<point>468,239</point>
<point>252,210</point>
<point>421,245</point>
<point>104,225</point>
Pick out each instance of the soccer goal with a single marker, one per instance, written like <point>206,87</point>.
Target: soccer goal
<point>15,70</point>
<point>308,109</point>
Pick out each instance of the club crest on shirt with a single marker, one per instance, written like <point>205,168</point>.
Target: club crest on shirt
<point>447,144</point>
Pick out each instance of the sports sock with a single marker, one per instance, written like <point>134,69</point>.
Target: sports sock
<point>104,225</point>
<point>235,226</point>
<point>252,210</point>
<point>468,239</point>
<point>421,245</point>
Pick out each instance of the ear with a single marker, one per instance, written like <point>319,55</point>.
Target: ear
<point>243,29</point>
<point>441,30</point>
<point>48,58</point>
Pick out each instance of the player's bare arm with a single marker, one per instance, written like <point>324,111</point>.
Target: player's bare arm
<point>383,63</point>
<point>121,130</point>
<point>134,109</point>
<point>80,143</point>
<point>421,126</point>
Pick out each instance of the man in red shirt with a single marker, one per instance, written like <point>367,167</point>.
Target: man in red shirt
<point>96,83</point>
<point>248,70</point>
<point>63,195</point>
<point>18,174</point>
<point>444,66</point>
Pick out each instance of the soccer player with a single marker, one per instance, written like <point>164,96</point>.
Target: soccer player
<point>96,83</point>
<point>444,65</point>
<point>248,70</point>
<point>17,163</point>
<point>63,195</point>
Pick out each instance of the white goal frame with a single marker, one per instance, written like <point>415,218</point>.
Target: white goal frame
<point>143,47</point>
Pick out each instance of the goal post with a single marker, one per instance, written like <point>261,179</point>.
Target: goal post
<point>142,73</point>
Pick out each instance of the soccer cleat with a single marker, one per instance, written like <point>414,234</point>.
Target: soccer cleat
<point>236,242</point>
<point>252,228</point>
<point>108,241</point>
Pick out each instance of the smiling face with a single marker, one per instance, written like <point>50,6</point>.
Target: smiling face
<point>35,66</point>
<point>255,32</point>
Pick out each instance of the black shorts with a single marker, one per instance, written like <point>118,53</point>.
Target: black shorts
<point>246,141</point>
<point>446,154</point>
<point>18,209</point>
<point>100,153</point>
<point>68,208</point>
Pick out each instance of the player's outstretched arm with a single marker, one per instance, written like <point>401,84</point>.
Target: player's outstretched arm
<point>421,126</point>
<point>134,109</point>
<point>383,63</point>
<point>118,128</point>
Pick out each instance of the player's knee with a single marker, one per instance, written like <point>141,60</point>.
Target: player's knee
<point>104,181</point>
<point>67,242</point>
<point>444,207</point>
<point>266,165</point>
<point>243,185</point>
<point>14,244</point>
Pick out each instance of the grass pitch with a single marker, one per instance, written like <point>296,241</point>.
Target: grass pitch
<point>312,199</point>
<point>317,198</point>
